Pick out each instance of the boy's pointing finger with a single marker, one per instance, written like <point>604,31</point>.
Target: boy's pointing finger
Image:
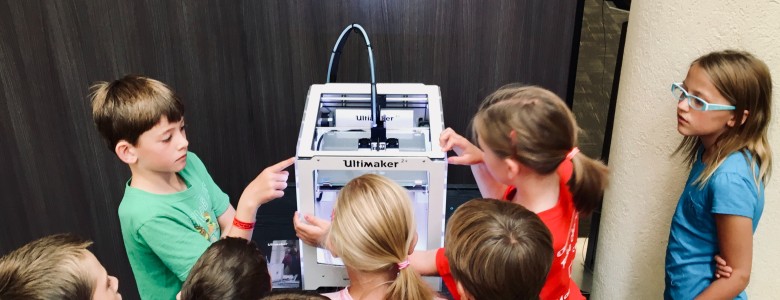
<point>280,166</point>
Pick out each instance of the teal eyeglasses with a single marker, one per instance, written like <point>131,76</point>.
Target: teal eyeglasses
<point>694,102</point>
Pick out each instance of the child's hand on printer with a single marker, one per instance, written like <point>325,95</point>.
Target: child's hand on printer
<point>468,153</point>
<point>312,231</point>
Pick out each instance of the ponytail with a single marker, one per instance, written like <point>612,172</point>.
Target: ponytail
<point>409,285</point>
<point>588,183</point>
<point>535,127</point>
<point>373,229</point>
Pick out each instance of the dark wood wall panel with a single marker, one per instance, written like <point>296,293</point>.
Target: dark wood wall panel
<point>243,69</point>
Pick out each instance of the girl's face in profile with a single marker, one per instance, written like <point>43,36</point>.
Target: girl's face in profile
<point>707,125</point>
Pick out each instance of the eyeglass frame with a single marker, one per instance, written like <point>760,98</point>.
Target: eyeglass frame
<point>707,106</point>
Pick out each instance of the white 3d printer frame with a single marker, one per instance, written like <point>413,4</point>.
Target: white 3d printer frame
<point>424,159</point>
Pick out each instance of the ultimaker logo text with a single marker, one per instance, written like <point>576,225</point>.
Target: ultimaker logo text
<point>354,163</point>
<point>369,118</point>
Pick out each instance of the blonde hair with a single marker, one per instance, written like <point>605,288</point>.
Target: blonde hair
<point>535,127</point>
<point>372,231</point>
<point>745,82</point>
<point>498,250</point>
<point>48,268</point>
<point>128,107</point>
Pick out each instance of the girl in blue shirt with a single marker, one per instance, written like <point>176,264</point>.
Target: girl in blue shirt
<point>723,111</point>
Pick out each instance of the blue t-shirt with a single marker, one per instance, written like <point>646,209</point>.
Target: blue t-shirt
<point>693,238</point>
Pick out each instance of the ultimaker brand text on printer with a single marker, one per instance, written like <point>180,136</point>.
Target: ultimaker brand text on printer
<point>354,163</point>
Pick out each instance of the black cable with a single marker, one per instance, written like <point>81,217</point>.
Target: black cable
<point>335,57</point>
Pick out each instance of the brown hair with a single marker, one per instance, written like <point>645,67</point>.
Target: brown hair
<point>535,127</point>
<point>47,268</point>
<point>498,250</point>
<point>231,268</point>
<point>372,231</point>
<point>295,295</point>
<point>745,82</point>
<point>128,107</point>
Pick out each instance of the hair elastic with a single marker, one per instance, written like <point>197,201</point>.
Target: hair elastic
<point>572,153</point>
<point>402,265</point>
<point>243,225</point>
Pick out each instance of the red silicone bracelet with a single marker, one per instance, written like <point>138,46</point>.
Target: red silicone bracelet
<point>243,225</point>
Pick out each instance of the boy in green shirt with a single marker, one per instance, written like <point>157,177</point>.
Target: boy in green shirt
<point>172,210</point>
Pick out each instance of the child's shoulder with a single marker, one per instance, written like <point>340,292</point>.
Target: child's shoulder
<point>137,204</point>
<point>736,170</point>
<point>194,163</point>
<point>333,295</point>
<point>192,157</point>
<point>737,162</point>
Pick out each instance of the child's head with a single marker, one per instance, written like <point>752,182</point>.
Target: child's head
<point>231,268</point>
<point>128,107</point>
<point>741,84</point>
<point>533,127</point>
<point>295,295</point>
<point>497,250</point>
<point>373,230</point>
<point>55,267</point>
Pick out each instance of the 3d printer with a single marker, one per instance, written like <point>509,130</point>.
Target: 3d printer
<point>350,129</point>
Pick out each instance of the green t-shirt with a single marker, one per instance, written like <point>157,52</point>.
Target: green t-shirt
<point>165,235</point>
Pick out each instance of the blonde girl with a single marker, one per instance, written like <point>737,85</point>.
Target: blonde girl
<point>373,231</point>
<point>723,111</point>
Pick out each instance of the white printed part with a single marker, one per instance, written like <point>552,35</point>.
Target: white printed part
<point>394,118</point>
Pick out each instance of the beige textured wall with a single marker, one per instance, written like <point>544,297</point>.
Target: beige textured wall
<point>664,36</point>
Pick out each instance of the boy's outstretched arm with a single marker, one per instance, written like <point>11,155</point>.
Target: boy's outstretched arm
<point>267,186</point>
<point>226,220</point>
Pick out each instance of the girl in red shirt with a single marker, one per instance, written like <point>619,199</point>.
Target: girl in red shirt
<point>527,154</point>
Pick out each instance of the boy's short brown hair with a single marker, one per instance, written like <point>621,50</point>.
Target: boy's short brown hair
<point>47,268</point>
<point>231,268</point>
<point>498,250</point>
<point>126,108</point>
<point>295,295</point>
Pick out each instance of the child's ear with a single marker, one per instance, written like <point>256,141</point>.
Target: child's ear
<point>513,168</point>
<point>733,119</point>
<point>413,244</point>
<point>126,152</point>
<point>464,295</point>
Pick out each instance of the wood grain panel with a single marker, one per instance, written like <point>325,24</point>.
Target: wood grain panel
<point>243,69</point>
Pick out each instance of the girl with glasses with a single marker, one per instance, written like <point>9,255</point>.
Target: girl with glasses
<point>723,111</point>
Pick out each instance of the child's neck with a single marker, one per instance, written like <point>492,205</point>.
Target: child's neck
<point>536,192</point>
<point>709,148</point>
<point>156,182</point>
<point>369,285</point>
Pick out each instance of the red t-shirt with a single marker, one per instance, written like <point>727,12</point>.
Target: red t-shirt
<point>563,222</point>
